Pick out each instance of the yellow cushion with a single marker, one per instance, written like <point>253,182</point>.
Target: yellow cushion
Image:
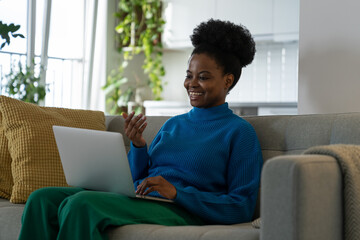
<point>6,181</point>
<point>35,158</point>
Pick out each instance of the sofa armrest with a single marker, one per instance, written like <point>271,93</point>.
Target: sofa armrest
<point>301,198</point>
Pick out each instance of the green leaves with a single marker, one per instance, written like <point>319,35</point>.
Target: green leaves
<point>24,85</point>
<point>124,6</point>
<point>146,17</point>
<point>138,31</point>
<point>5,30</point>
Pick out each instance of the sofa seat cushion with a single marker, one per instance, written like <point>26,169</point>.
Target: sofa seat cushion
<point>10,225</point>
<point>10,220</point>
<point>208,232</point>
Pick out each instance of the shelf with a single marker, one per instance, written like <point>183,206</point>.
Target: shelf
<point>172,108</point>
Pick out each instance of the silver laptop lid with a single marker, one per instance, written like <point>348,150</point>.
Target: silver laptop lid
<point>95,160</point>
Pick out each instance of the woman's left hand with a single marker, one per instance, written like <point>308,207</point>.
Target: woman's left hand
<point>159,184</point>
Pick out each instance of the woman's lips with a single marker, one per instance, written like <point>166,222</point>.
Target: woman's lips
<point>195,95</point>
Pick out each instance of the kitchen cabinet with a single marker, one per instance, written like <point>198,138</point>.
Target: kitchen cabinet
<point>267,20</point>
<point>256,15</point>
<point>182,16</point>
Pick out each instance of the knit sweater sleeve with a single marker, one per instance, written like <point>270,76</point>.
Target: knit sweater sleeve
<point>243,177</point>
<point>139,159</point>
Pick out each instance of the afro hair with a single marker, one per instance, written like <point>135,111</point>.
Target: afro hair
<point>230,45</point>
<point>227,37</point>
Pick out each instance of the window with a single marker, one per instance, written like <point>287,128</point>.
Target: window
<point>71,47</point>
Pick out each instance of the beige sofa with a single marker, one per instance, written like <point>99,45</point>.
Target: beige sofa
<point>301,195</point>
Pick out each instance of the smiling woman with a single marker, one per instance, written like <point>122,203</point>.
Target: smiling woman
<point>221,50</point>
<point>208,161</point>
<point>205,82</point>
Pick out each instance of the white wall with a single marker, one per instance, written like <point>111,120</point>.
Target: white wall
<point>268,79</point>
<point>329,56</point>
<point>271,77</point>
<point>175,63</point>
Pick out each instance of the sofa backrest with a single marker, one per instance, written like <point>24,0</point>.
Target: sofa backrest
<point>284,135</point>
<point>116,124</point>
<point>279,135</point>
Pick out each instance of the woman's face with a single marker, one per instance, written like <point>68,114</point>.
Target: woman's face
<point>205,82</point>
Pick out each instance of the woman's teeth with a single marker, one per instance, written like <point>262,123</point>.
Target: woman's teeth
<point>195,94</point>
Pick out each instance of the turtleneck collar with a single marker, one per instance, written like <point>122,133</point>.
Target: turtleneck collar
<point>208,114</point>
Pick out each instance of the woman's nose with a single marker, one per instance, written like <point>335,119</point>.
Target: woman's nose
<point>193,82</point>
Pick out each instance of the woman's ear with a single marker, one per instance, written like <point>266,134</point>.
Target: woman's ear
<point>229,79</point>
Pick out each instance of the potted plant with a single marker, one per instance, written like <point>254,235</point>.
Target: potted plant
<point>24,84</point>
<point>138,31</point>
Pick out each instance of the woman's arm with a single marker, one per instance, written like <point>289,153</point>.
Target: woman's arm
<point>139,162</point>
<point>137,156</point>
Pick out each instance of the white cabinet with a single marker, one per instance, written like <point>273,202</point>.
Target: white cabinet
<point>271,20</point>
<point>256,15</point>
<point>182,16</point>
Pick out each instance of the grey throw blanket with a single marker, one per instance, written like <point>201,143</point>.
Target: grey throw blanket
<point>348,157</point>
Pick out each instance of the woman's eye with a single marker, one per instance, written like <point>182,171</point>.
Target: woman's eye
<point>188,76</point>
<point>203,78</point>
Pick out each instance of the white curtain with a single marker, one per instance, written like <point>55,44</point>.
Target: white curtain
<point>97,99</point>
<point>95,72</point>
<point>76,68</point>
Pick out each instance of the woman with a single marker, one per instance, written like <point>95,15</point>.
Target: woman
<point>208,161</point>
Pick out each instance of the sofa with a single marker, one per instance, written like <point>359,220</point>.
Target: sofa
<point>300,196</point>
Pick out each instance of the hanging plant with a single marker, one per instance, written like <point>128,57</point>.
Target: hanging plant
<point>138,31</point>
<point>5,29</point>
<point>24,84</point>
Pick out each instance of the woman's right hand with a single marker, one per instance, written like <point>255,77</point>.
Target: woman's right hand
<point>134,127</point>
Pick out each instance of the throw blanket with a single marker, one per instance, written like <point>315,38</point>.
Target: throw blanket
<point>348,157</point>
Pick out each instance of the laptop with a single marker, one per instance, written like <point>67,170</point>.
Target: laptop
<point>96,160</point>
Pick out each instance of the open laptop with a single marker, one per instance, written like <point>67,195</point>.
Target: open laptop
<point>96,160</point>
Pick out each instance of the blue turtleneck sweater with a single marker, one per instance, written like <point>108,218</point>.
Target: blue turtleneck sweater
<point>212,157</point>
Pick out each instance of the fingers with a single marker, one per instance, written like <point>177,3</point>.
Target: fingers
<point>149,190</point>
<point>134,125</point>
<point>127,118</point>
<point>159,184</point>
<point>142,128</point>
<point>146,183</point>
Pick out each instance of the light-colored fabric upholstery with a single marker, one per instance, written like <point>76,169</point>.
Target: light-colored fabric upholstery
<point>300,194</point>
<point>301,198</point>
<point>10,219</point>
<point>156,232</point>
<point>280,135</point>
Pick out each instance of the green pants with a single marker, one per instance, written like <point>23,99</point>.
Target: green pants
<point>74,213</point>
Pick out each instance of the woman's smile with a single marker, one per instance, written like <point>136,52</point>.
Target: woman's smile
<point>205,82</point>
<point>195,95</point>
